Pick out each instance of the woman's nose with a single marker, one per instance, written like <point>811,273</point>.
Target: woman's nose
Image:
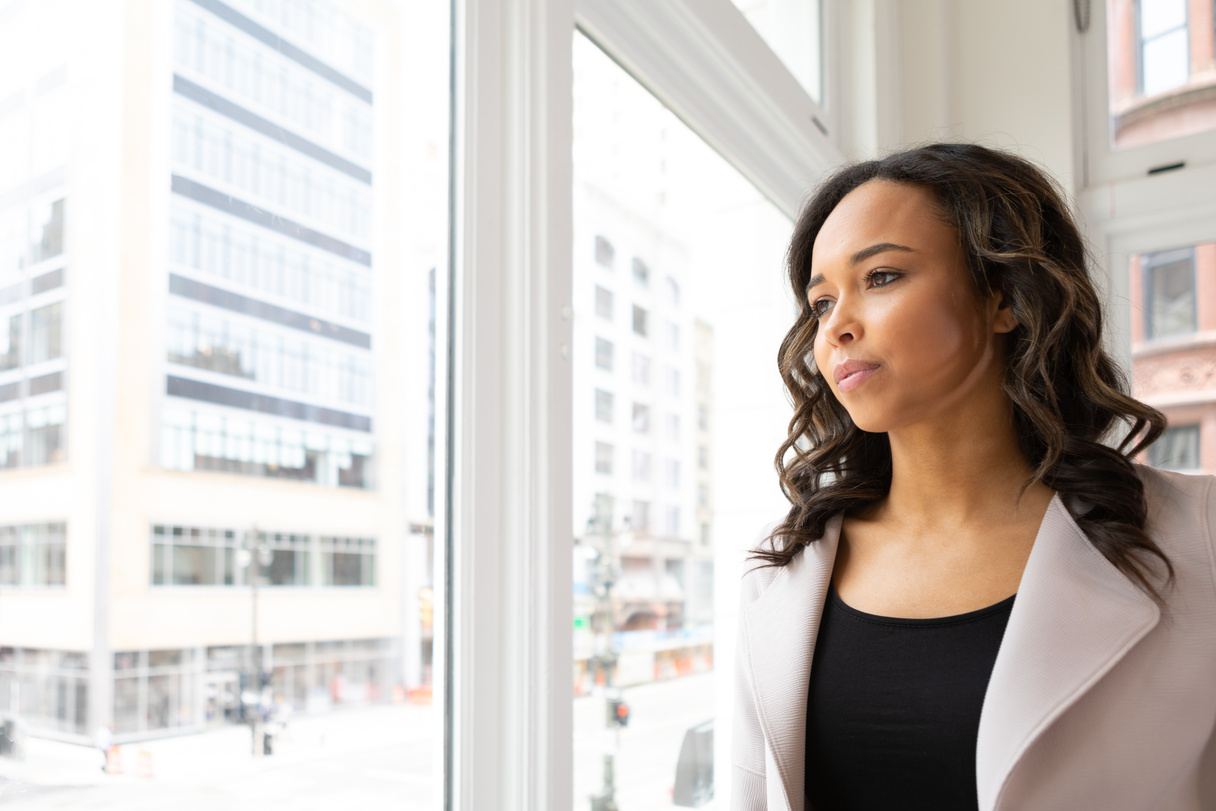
<point>843,325</point>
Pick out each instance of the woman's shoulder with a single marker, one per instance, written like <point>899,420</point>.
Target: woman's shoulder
<point>1181,508</point>
<point>757,575</point>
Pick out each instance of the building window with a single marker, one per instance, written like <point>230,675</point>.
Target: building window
<point>673,473</point>
<point>673,336</point>
<point>639,320</point>
<point>605,254</point>
<point>1176,449</point>
<point>1164,49</point>
<point>672,427</point>
<point>1169,292</point>
<point>10,342</point>
<point>641,369</point>
<point>45,332</point>
<point>639,520</point>
<point>603,354</point>
<point>641,418</point>
<point>193,556</point>
<point>348,561</point>
<point>672,521</point>
<point>703,457</point>
<point>603,302</point>
<point>47,689</point>
<point>673,381</point>
<point>702,495</point>
<point>641,273</point>
<point>705,536</point>
<point>641,466</point>
<point>603,457</point>
<point>603,405</point>
<point>673,291</point>
<point>33,554</point>
<point>703,417</point>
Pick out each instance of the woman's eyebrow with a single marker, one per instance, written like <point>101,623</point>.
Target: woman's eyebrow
<point>862,255</point>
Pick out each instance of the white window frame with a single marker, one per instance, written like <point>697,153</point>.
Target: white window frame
<point>509,688</point>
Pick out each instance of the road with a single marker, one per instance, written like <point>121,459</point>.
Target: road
<point>376,757</point>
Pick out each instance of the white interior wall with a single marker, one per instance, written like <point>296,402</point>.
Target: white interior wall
<point>987,71</point>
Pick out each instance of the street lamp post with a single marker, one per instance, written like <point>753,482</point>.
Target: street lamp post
<point>253,557</point>
<point>604,658</point>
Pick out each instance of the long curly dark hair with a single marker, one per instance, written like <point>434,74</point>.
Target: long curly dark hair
<point>1020,239</point>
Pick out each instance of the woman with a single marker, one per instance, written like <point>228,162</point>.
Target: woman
<point>977,599</point>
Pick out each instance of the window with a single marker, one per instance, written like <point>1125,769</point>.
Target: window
<point>1169,292</point>
<point>348,561</point>
<point>1159,59</point>
<point>702,495</point>
<point>639,321</point>
<point>673,291</point>
<point>33,554</point>
<point>1176,449</point>
<point>605,254</point>
<point>603,457</point>
<point>641,273</point>
<point>10,336</point>
<point>603,354</point>
<point>641,466</point>
<point>702,417</point>
<point>671,524</point>
<point>672,470</point>
<point>673,336</point>
<point>671,427</point>
<point>703,457</point>
<point>672,378</point>
<point>603,302</point>
<point>641,418</point>
<point>46,333</point>
<point>641,369</point>
<point>639,521</point>
<point>1164,50</point>
<point>603,405</point>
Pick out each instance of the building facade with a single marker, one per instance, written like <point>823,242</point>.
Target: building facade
<point>234,489</point>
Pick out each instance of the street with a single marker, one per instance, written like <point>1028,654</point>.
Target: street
<point>374,757</point>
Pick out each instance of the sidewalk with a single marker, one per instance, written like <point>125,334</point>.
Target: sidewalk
<point>221,759</point>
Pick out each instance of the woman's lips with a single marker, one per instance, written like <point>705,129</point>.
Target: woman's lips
<point>852,373</point>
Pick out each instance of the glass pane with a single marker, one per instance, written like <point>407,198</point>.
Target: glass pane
<point>1172,313</point>
<point>793,29</point>
<point>1161,69</point>
<point>246,200</point>
<point>696,416</point>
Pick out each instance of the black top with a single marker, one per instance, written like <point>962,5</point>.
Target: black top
<point>894,708</point>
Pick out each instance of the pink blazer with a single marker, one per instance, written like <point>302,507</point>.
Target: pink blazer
<point>1097,702</point>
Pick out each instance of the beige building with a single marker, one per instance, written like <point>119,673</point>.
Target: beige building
<point>213,402</point>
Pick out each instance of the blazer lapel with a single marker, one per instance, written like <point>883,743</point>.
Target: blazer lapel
<point>1074,618</point>
<point>779,631</point>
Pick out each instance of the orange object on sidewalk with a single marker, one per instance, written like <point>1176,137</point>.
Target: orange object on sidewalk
<point>143,763</point>
<point>114,760</point>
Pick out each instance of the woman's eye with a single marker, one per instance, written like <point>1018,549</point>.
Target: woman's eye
<point>820,307</point>
<point>881,278</point>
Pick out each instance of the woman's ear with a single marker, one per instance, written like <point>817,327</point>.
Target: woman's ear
<point>1002,315</point>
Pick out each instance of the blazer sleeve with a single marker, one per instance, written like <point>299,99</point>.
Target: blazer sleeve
<point>748,786</point>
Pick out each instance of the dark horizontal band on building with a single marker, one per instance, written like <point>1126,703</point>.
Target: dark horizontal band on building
<point>227,300</point>
<point>295,54</point>
<point>259,216</point>
<point>36,385</point>
<point>188,89</point>
<point>265,404</point>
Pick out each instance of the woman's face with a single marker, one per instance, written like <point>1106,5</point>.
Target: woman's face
<point>902,338</point>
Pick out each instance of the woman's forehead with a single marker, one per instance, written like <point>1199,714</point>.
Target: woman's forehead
<point>881,211</point>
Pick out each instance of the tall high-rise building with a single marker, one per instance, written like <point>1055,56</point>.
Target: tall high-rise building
<point>206,222</point>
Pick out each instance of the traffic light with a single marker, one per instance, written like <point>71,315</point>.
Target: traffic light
<point>618,712</point>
